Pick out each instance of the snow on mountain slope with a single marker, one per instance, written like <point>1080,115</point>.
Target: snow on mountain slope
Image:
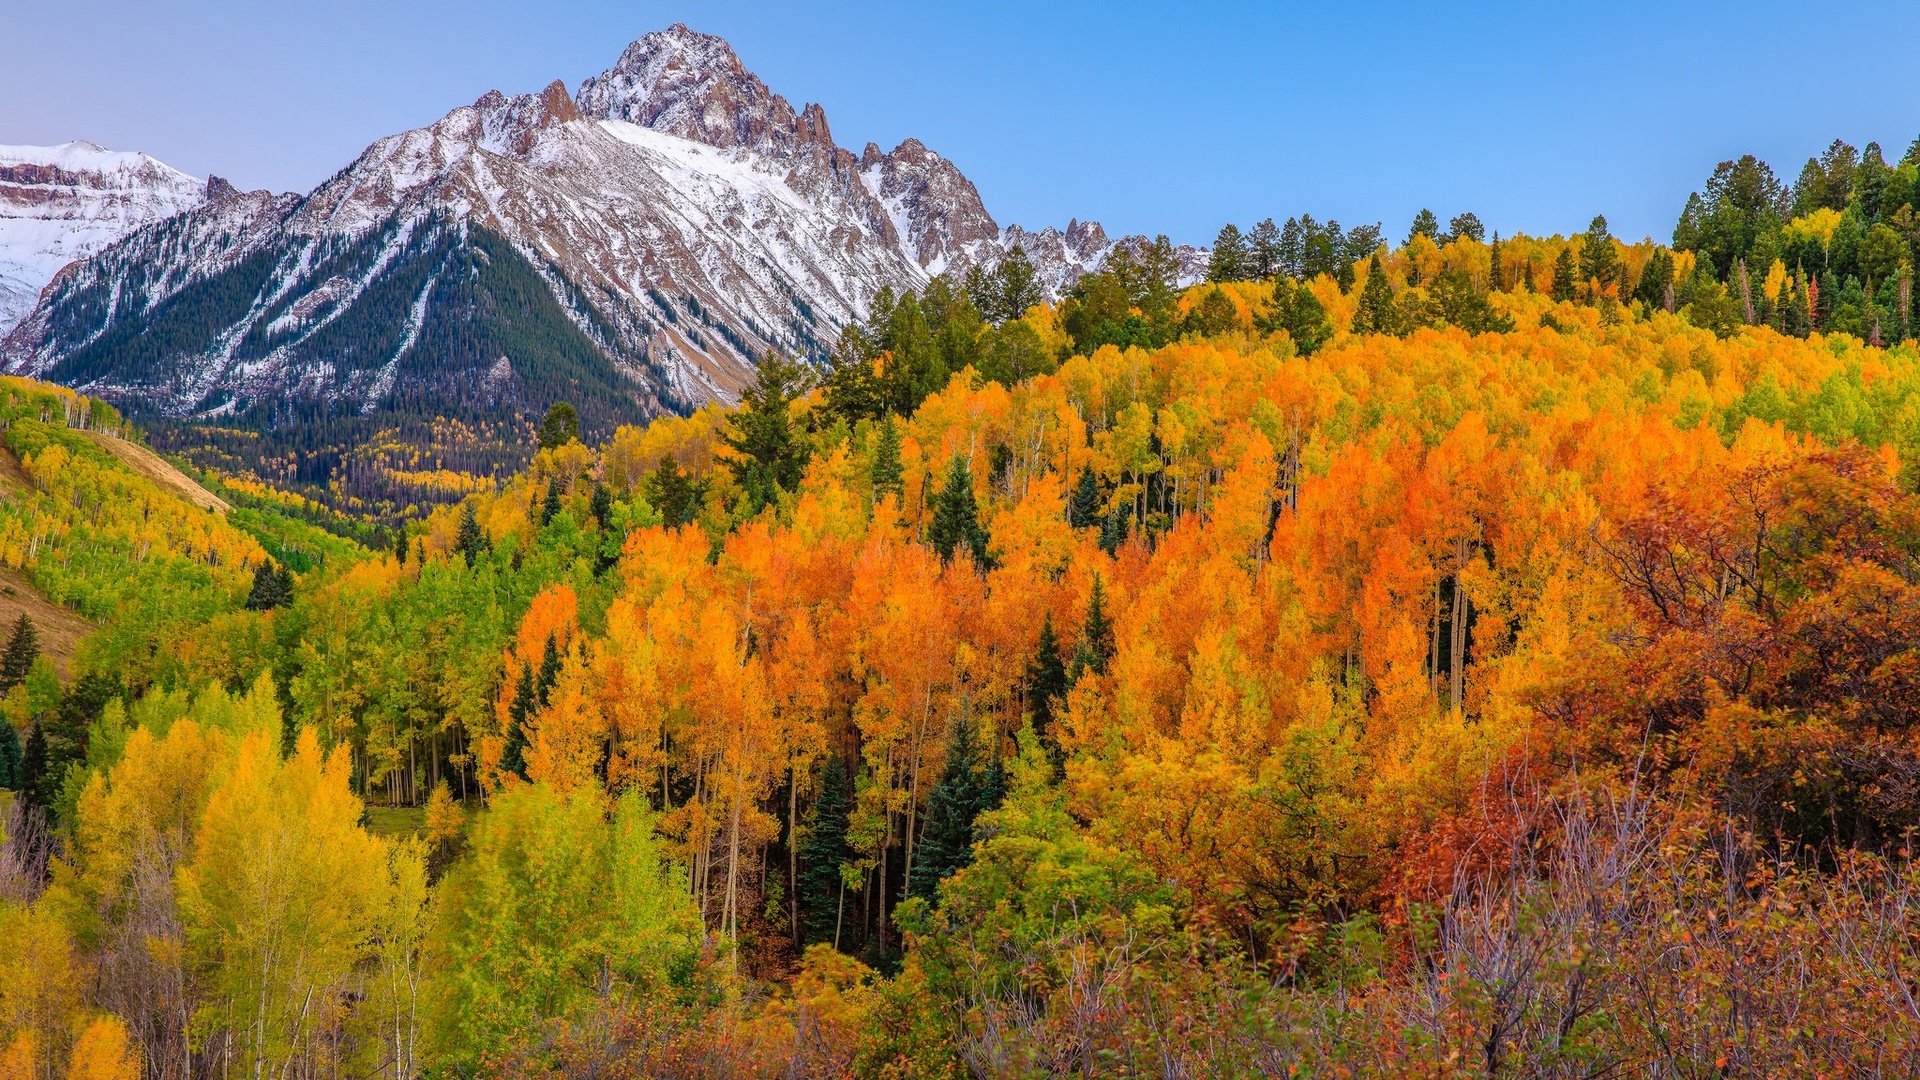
<point>62,203</point>
<point>637,246</point>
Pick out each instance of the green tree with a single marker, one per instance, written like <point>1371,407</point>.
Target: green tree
<point>1096,646</point>
<point>1046,684</point>
<point>550,505</point>
<point>823,851</point>
<point>886,473</point>
<point>1598,260</point>
<point>1467,226</point>
<point>526,702</point>
<point>673,493</point>
<point>1264,251</point>
<point>33,778</point>
<point>1566,281</point>
<point>956,517</point>
<point>560,426</point>
<point>1012,288</point>
<point>1083,509</point>
<point>769,453</point>
<point>23,648</point>
<point>946,842</point>
<point>468,540</point>
<point>272,587</point>
<point>1424,224</point>
<point>1229,260</point>
<point>11,754</point>
<point>1376,313</point>
<point>1295,310</point>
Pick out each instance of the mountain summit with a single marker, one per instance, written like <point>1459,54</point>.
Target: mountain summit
<point>632,248</point>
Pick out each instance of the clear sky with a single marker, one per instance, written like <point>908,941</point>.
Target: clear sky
<point>1148,117</point>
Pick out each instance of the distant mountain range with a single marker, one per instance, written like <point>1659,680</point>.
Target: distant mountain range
<point>631,247</point>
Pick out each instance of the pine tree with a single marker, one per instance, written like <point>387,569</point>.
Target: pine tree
<point>673,494</point>
<point>823,850</point>
<point>769,454</point>
<point>1229,259</point>
<point>1046,683</point>
<point>1013,288</point>
<point>525,703</point>
<point>1113,531</point>
<point>946,842</point>
<point>1376,313</point>
<point>1426,224</point>
<point>600,505</point>
<point>400,545</point>
<point>10,755</point>
<point>1264,255</point>
<point>1295,310</point>
<point>1083,509</point>
<point>560,427</point>
<point>23,648</point>
<point>886,473</point>
<point>1096,637</point>
<point>1597,257</point>
<point>469,541</point>
<point>1496,278</point>
<point>549,671</point>
<point>956,517</point>
<point>550,506</point>
<point>272,587</point>
<point>1467,226</point>
<point>32,779</point>
<point>1565,283</point>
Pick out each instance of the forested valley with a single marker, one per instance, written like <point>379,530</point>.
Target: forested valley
<point>1461,656</point>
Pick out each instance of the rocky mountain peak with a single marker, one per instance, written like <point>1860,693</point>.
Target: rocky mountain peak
<point>690,84</point>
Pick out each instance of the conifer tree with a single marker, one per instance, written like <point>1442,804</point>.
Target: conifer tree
<point>549,671</point>
<point>1113,530</point>
<point>23,648</point>
<point>769,454</point>
<point>550,506</point>
<point>1083,509</point>
<point>272,587</point>
<point>400,545</point>
<point>821,889</point>
<point>32,779</point>
<point>1426,224</point>
<point>1597,257</point>
<point>1229,259</point>
<point>1264,259</point>
<point>600,505</point>
<point>673,493</point>
<point>1046,683</point>
<point>10,754</point>
<point>1376,313</point>
<point>1496,278</point>
<point>1096,637</point>
<point>560,427</point>
<point>1013,287</point>
<point>1297,311</point>
<point>525,703</point>
<point>1466,226</point>
<point>469,541</point>
<point>886,473</point>
<point>956,517</point>
<point>946,842</point>
<point>1565,283</point>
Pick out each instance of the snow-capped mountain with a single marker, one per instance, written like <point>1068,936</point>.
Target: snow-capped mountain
<point>62,203</point>
<point>632,247</point>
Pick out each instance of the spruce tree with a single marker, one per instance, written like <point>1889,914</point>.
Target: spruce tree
<point>1229,259</point>
<point>1496,278</point>
<point>1597,257</point>
<point>673,494</point>
<point>600,505</point>
<point>549,671</point>
<point>32,779</point>
<point>10,754</point>
<point>1083,509</point>
<point>1467,226</point>
<point>1424,224</point>
<point>525,703</point>
<point>469,541</point>
<point>1096,637</point>
<point>272,587</point>
<point>769,453</point>
<point>1113,531</point>
<point>550,506</point>
<point>23,648</point>
<point>886,474</point>
<point>1565,281</point>
<point>946,841</point>
<point>1376,313</point>
<point>560,426</point>
<point>1013,288</point>
<point>1297,311</point>
<point>822,852</point>
<point>400,545</point>
<point>1264,258</point>
<point>956,517</point>
<point>1046,683</point>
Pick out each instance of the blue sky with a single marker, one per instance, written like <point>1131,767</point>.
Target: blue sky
<point>1147,117</point>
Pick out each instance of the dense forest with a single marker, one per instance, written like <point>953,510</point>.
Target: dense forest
<point>1474,656</point>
